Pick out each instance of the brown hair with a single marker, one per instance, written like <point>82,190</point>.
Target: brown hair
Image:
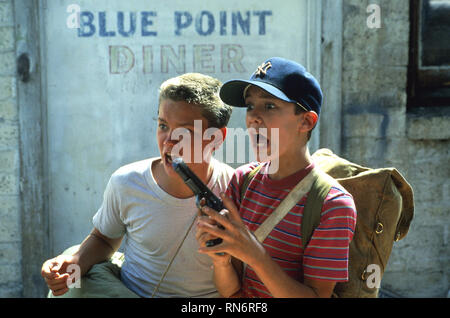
<point>199,90</point>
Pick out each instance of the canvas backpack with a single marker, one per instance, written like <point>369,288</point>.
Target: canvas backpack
<point>385,207</point>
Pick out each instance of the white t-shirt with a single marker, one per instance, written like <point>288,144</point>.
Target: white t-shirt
<point>154,224</point>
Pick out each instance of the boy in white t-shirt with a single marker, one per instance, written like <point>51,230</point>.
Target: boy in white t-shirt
<point>149,205</point>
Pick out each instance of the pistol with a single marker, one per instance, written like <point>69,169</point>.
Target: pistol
<point>201,191</point>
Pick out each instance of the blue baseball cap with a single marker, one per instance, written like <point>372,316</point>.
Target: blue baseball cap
<point>282,78</point>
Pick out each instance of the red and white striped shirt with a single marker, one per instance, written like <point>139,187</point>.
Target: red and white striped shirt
<point>325,256</point>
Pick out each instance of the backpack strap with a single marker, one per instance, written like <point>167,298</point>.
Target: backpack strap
<point>313,207</point>
<point>247,179</point>
<point>301,189</point>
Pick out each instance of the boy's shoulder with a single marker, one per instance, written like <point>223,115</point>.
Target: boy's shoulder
<point>131,171</point>
<point>222,174</point>
<point>244,170</point>
<point>134,167</point>
<point>224,169</point>
<point>338,201</point>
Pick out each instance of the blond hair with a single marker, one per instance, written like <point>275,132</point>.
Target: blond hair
<point>199,90</point>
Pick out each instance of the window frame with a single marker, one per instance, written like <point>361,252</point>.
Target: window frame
<point>424,81</point>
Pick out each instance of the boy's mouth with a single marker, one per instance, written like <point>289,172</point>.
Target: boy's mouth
<point>168,158</point>
<point>261,140</point>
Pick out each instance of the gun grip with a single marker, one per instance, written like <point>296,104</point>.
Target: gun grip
<point>213,242</point>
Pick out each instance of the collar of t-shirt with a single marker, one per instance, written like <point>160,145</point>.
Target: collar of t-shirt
<point>288,182</point>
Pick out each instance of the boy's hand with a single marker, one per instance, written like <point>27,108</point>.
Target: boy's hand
<point>203,237</point>
<point>238,241</point>
<point>55,273</point>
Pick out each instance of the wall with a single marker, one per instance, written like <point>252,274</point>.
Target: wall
<point>10,233</point>
<point>379,132</point>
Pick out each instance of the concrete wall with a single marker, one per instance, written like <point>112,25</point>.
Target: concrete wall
<point>379,132</point>
<point>10,233</point>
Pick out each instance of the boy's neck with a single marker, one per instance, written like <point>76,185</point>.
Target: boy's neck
<point>288,165</point>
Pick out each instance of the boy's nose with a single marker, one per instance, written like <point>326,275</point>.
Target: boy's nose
<point>169,140</point>
<point>253,118</point>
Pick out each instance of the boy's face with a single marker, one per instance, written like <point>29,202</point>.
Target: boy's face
<point>180,133</point>
<point>273,114</point>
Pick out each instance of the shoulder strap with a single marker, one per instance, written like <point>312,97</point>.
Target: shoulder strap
<point>247,179</point>
<point>313,207</point>
<point>286,205</point>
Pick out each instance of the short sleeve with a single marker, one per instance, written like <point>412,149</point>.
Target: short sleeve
<point>233,190</point>
<point>326,255</point>
<point>108,218</point>
<point>234,186</point>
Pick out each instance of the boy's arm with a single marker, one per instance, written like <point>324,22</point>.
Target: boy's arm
<point>95,249</point>
<point>283,286</point>
<point>331,240</point>
<point>226,278</point>
<point>225,273</point>
<point>239,242</point>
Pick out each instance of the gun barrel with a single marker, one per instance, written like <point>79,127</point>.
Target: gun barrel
<point>196,185</point>
<point>200,191</point>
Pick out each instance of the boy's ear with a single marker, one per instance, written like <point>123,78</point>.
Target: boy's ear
<point>309,121</point>
<point>224,133</point>
<point>219,137</point>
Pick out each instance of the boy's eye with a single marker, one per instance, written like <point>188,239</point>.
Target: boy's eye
<point>249,107</point>
<point>270,106</point>
<point>162,126</point>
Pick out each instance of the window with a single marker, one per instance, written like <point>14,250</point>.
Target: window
<point>429,63</point>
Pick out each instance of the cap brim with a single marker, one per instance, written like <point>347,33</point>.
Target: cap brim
<point>232,92</point>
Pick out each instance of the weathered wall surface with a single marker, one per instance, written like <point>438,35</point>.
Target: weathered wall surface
<point>378,132</point>
<point>10,233</point>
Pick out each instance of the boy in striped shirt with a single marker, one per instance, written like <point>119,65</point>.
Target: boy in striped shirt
<point>283,105</point>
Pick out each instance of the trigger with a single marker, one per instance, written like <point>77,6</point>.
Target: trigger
<point>197,202</point>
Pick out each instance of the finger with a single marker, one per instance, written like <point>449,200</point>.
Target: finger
<point>225,213</point>
<point>233,212</point>
<point>204,239</point>
<point>59,286</point>
<point>55,265</point>
<point>218,217</point>
<point>46,270</point>
<point>56,281</point>
<point>200,203</point>
<point>206,219</point>
<point>214,250</point>
<point>212,230</point>
<point>58,278</point>
<point>60,291</point>
<point>199,234</point>
<point>220,258</point>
